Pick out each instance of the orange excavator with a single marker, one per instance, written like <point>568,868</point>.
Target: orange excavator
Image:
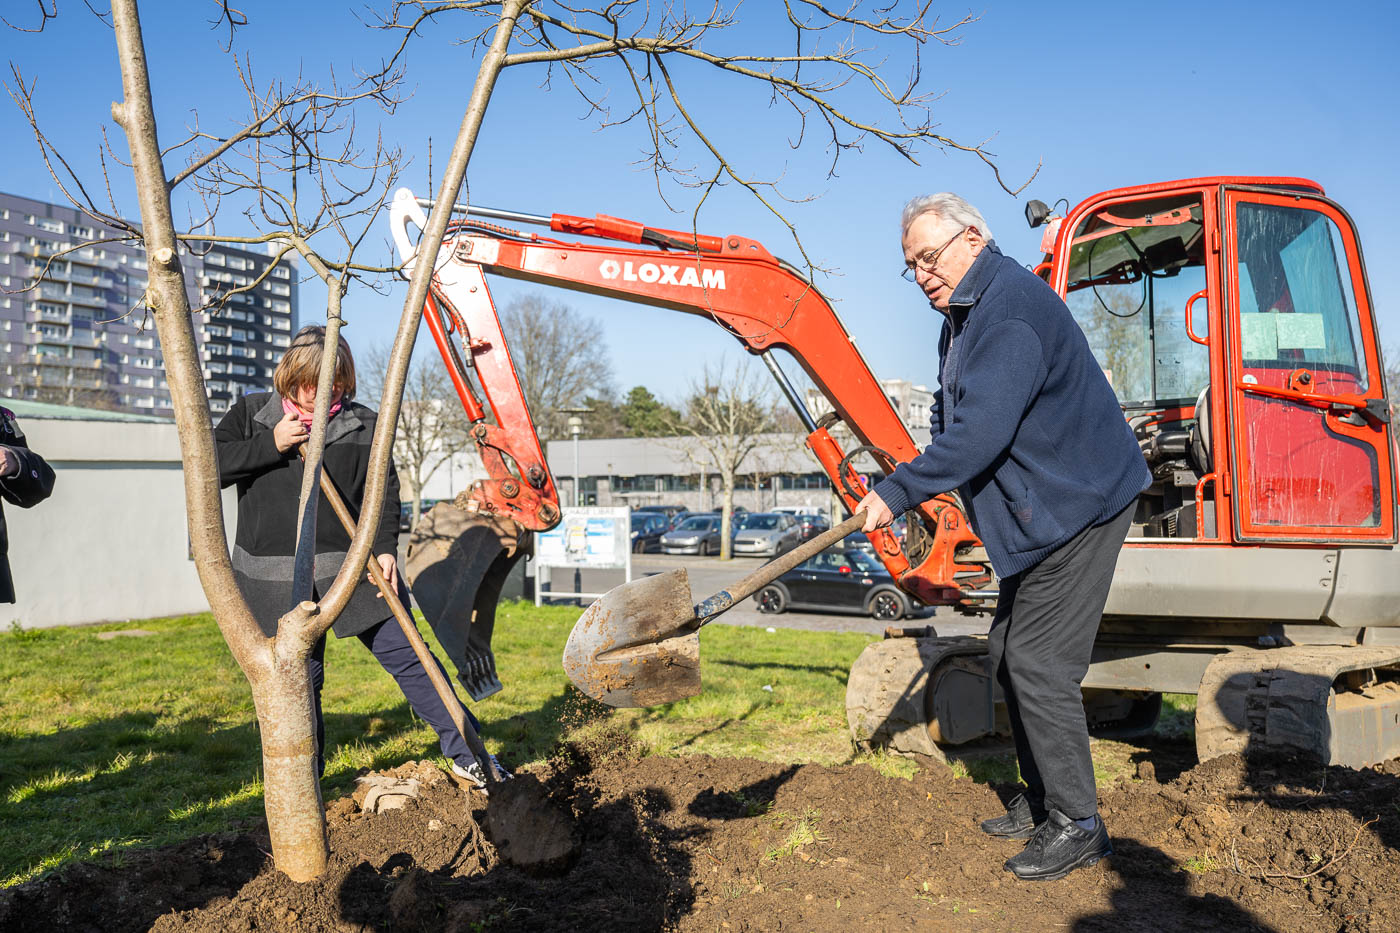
<point>1232,317</point>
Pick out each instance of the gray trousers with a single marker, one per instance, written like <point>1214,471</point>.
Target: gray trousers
<point>1039,647</point>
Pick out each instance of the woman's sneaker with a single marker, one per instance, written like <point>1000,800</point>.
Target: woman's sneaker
<point>474,772</point>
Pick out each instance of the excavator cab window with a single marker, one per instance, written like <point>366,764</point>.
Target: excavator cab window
<point>1132,268</point>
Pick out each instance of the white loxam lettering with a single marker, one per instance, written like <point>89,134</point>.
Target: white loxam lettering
<point>650,272</point>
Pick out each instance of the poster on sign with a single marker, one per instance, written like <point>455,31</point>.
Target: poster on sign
<point>588,536</point>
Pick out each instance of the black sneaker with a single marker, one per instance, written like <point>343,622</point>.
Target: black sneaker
<point>1017,822</point>
<point>474,773</point>
<point>1057,847</point>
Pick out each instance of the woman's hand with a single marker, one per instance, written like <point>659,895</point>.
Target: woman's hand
<point>289,433</point>
<point>388,566</point>
<point>877,514</point>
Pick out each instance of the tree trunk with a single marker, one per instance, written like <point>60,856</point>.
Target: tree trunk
<point>291,782</point>
<point>726,547</point>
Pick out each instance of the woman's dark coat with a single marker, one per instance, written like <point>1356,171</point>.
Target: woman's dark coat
<point>269,483</point>
<point>26,489</point>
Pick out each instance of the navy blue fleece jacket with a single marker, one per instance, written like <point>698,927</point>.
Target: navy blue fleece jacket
<point>1025,425</point>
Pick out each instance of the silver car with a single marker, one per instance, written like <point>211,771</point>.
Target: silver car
<point>698,534</point>
<point>767,534</point>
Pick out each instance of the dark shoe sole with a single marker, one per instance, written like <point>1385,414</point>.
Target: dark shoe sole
<point>1018,834</point>
<point>1056,876</point>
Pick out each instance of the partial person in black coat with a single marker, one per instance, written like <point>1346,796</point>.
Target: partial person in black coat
<point>25,481</point>
<point>258,442</point>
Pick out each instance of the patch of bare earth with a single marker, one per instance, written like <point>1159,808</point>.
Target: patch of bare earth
<point>699,843</point>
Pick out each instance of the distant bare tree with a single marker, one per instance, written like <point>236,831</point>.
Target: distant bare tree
<point>560,356</point>
<point>727,414</point>
<point>432,426</point>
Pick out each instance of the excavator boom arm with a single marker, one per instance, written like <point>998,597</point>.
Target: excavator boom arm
<point>763,302</point>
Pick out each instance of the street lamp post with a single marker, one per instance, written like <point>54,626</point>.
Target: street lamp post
<point>576,428</point>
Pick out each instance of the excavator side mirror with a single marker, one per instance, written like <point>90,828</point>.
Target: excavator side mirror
<point>1036,213</point>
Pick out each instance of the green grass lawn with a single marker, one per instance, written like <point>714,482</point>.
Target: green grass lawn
<point>109,744</point>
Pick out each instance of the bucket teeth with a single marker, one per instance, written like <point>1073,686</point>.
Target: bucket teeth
<point>458,562</point>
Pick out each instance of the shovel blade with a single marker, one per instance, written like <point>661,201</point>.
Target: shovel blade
<point>631,647</point>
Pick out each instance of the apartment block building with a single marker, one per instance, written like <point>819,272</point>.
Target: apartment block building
<point>81,336</point>
<point>241,342</point>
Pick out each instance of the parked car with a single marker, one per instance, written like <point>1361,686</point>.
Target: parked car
<point>839,581</point>
<point>670,511</point>
<point>858,541</point>
<point>767,534</point>
<point>674,514</point>
<point>647,529</point>
<point>697,534</point>
<point>405,516</point>
<point>812,524</point>
<point>800,510</point>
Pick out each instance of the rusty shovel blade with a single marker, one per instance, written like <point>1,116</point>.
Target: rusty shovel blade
<point>637,644</point>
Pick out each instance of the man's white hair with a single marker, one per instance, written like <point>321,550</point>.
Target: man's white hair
<point>953,213</point>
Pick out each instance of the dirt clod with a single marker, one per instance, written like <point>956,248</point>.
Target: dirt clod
<point>528,829</point>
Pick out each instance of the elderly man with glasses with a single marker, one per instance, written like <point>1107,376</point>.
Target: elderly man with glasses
<point>1027,429</point>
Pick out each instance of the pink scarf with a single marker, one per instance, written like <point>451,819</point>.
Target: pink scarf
<point>291,408</point>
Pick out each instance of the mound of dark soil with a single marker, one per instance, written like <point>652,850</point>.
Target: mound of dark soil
<point>717,844</point>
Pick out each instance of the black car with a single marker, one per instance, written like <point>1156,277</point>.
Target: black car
<point>647,529</point>
<point>850,580</point>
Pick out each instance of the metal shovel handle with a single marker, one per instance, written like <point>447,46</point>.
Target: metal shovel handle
<point>725,599</point>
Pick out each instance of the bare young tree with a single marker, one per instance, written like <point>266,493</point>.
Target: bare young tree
<point>727,415</point>
<point>560,357</point>
<point>292,169</point>
<point>432,428</point>
<point>832,77</point>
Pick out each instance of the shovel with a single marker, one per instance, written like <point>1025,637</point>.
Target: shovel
<point>638,644</point>
<point>420,648</point>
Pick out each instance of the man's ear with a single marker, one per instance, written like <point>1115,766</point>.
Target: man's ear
<point>975,240</point>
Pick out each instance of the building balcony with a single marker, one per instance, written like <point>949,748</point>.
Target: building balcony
<point>87,301</point>
<point>61,317</point>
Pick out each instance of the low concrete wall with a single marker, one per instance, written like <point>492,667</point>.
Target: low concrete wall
<point>111,543</point>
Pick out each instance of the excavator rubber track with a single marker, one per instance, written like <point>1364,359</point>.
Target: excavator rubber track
<point>1339,703</point>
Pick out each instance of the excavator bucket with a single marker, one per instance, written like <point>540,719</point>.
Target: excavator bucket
<point>458,561</point>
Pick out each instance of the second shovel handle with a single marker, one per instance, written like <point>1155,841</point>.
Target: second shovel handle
<point>774,569</point>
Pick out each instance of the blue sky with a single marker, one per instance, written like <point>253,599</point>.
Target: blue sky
<point>1104,94</point>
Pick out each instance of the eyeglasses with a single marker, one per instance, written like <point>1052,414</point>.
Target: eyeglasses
<point>928,259</point>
